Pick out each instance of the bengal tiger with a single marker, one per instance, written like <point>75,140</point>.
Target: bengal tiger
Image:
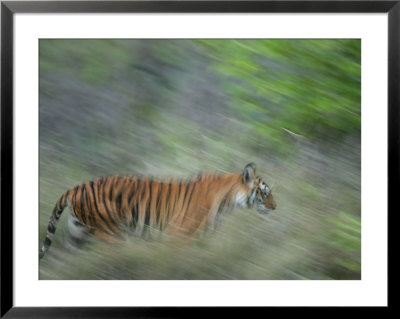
<point>107,206</point>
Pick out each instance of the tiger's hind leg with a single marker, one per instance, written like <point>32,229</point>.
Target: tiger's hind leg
<point>78,233</point>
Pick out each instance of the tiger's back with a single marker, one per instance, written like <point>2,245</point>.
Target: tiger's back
<point>106,207</point>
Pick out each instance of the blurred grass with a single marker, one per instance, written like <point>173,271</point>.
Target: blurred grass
<point>175,107</point>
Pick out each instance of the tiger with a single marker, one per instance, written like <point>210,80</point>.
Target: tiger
<point>107,207</point>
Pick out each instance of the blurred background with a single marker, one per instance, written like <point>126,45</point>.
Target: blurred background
<point>175,107</point>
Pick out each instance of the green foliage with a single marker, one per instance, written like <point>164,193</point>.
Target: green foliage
<point>310,87</point>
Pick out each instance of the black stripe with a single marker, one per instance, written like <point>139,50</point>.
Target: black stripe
<point>222,205</point>
<point>73,199</point>
<point>133,191</point>
<point>168,202</point>
<point>74,195</point>
<point>188,203</point>
<point>51,228</point>
<point>104,195</point>
<point>78,223</point>
<point>68,193</point>
<point>58,204</point>
<point>118,204</point>
<point>82,208</point>
<point>143,191</point>
<point>57,211</point>
<point>47,242</point>
<point>169,191</point>
<point>158,207</point>
<point>147,217</point>
<point>178,194</point>
<point>92,209</point>
<point>191,194</point>
<point>140,196</point>
<point>61,200</point>
<point>158,199</point>
<point>134,211</point>
<point>111,190</point>
<point>188,184</point>
<point>135,215</point>
<point>89,209</point>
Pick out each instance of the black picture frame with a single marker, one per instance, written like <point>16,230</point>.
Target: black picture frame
<point>9,8</point>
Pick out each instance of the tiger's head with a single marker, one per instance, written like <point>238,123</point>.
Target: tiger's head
<point>259,196</point>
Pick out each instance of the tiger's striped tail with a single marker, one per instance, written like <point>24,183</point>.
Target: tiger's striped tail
<point>51,228</point>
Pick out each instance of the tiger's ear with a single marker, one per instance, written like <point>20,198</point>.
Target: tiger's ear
<point>249,174</point>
